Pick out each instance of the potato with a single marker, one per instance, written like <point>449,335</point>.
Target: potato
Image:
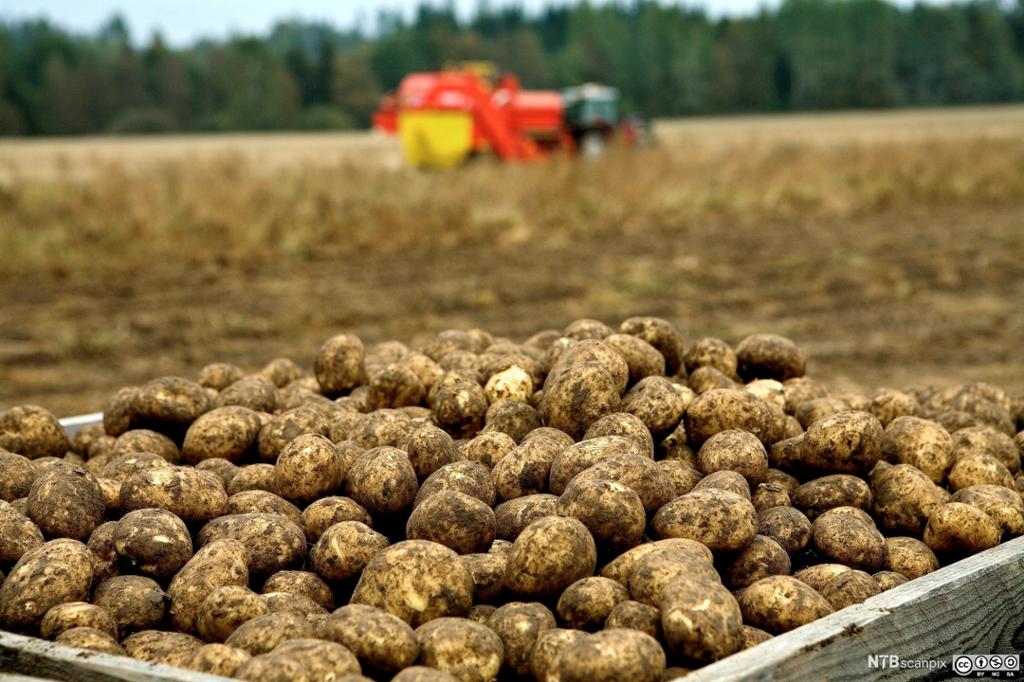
<point>844,442</point>
<point>378,639</point>
<point>76,614</point>
<point>488,448</point>
<point>217,564</point>
<point>887,580</point>
<point>768,495</point>
<point>217,659</point>
<point>1005,506</point>
<point>511,417</point>
<point>643,475</point>
<point>787,526</point>
<point>761,558</point>
<point>104,555</point>
<point>781,603</point>
<point>18,534</point>
<point>382,480</point>
<point>655,570</point>
<point>849,588</point>
<point>133,601</point>
<point>819,575</point>
<point>904,497</point>
<point>635,616</point>
<point>987,441</point>
<point>700,619</point>
<point>455,520</point>
<point>168,403</point>
<point>979,469</point>
<point>219,375</point>
<point>285,427</point>
<point>720,410</point>
<point>734,450</point>
<point>417,581</point>
<point>921,443</point>
<point>273,542</point>
<point>395,385</point>
<point>587,603</point>
<point>659,403</point>
<point>121,467</point>
<point>519,625</point>
<point>889,404</point>
<point>512,516</point>
<point>17,473</point>
<point>261,501</point>
<point>662,335</point>
<point>279,602</point>
<point>66,501</point>
<point>706,379</point>
<point>611,511</point>
<point>188,493</point>
<point>753,636</point>
<point>579,456</point>
<point>621,568</point>
<point>263,633</point>
<point>580,395</point>
<point>513,383</point>
<point>470,478</point>
<point>33,432</point>
<point>769,356</point>
<point>828,492</point>
<point>304,583</point>
<point>420,673</point>
<point>225,432</point>
<point>225,609</point>
<point>344,549</point>
<point>256,393</point>
<point>53,573</point>
<point>92,639</point>
<point>153,540</point>
<point>527,469</point>
<point>157,646</point>
<point>719,519</point>
<point>549,555</point>
<point>327,511</point>
<point>958,529</point>
<point>625,425</point>
<point>683,476</point>
<point>488,572</point>
<point>253,477</point>
<point>620,655</point>
<point>340,364</point>
<point>459,405</point>
<point>117,414</point>
<point>307,468</point>
<point>714,353</point>
<point>846,539</point>
<point>467,650</point>
<point>429,448</point>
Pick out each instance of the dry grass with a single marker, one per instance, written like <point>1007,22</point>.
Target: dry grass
<point>893,247</point>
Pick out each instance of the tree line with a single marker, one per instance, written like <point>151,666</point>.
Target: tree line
<point>667,60</point>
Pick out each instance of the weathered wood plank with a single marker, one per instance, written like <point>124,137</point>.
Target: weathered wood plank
<point>40,658</point>
<point>975,606</point>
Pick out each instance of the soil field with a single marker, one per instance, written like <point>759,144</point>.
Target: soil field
<point>890,245</point>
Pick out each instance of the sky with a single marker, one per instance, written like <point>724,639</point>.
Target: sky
<point>183,21</point>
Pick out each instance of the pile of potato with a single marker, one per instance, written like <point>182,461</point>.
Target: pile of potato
<point>589,505</point>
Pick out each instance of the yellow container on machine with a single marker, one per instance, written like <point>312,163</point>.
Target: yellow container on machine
<point>435,139</point>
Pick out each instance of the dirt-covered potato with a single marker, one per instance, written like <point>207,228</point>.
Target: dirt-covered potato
<point>169,403</point>
<point>252,477</point>
<point>455,520</point>
<point>619,655</point>
<point>263,633</point>
<point>470,478</point>
<point>676,447</point>
<point>155,541</point>
<point>787,526</point>
<point>844,442</point>
<point>626,425</point>
<point>781,603</point>
<point>225,432</point>
<point>327,511</point>
<point>428,449</point>
<point>379,640</point>
<point>987,440</point>
<point>488,572</point>
<point>704,379</point>
<point>217,564</point>
<point>340,364</point>
<point>225,609</point>
<point>420,673</point>
<point>304,583</point>
<point>526,470</point>
<point>904,497</point>
<point>720,410</point>
<point>768,495</point>
<point>655,570</point>
<point>763,557</point>
<point>121,467</point>
<point>104,555</point>
<point>33,432</point>
<point>18,534</point>
<point>219,375</point>
<point>621,568</point>
<point>659,403</point>
<point>642,474</point>
<point>828,492</point>
<point>700,619</point>
<point>133,601</point>
<point>587,603</point>
<point>344,549</point>
<point>979,469</point>
<point>580,456</point>
<point>459,404</point>
<point>298,603</point>
<point>217,659</point>
<point>395,385</point>
<point>512,383</point>
<point>818,575</point>
<point>1005,506</point>
<point>117,414</point>
<point>273,542</point>
<point>580,395</point>
<point>382,480</point>
<point>188,493</point>
<point>886,580</point>
<point>265,502</point>
<point>513,516</point>
<point>662,335</point>
<point>53,573</point>
<point>734,450</point>
<point>849,588</point>
<point>957,529</point>
<point>719,519</point>
<point>511,417</point>
<point>488,448</point>
<point>76,614</point>
<point>889,404</point>
<point>611,511</point>
<point>92,639</point>
<point>17,473</point>
<point>683,476</point>
<point>255,392</point>
<point>285,427</point>
<point>416,580</point>
<point>769,356</point>
<point>221,468</point>
<point>635,616</point>
<point>307,468</point>
<point>158,646</point>
<point>714,353</point>
<point>66,502</point>
<point>921,443</point>
<point>846,539</point>
<point>469,651</point>
<point>549,555</point>
<point>519,625</point>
